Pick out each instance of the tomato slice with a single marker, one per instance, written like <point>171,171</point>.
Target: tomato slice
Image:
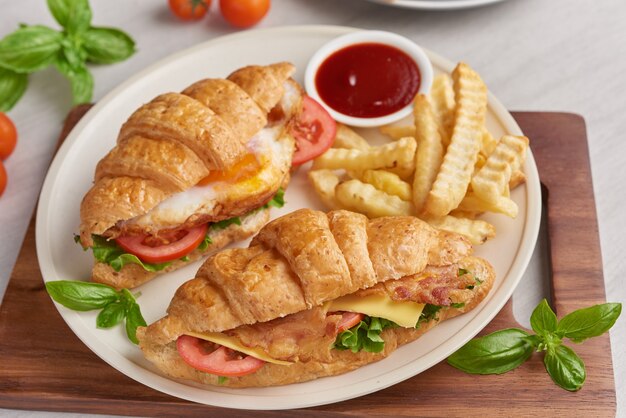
<point>314,132</point>
<point>348,320</point>
<point>139,245</point>
<point>222,361</point>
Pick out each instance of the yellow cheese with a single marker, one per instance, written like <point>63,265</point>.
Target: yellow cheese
<point>403,313</point>
<point>233,343</point>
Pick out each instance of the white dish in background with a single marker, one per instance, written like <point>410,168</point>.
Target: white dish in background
<point>71,173</point>
<point>405,45</point>
<point>436,4</point>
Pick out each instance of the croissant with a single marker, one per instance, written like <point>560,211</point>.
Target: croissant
<point>219,150</point>
<point>283,298</point>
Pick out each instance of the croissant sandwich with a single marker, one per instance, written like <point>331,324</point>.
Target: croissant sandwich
<point>314,295</point>
<point>190,173</point>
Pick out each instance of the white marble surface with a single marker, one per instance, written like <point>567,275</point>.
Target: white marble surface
<point>562,55</point>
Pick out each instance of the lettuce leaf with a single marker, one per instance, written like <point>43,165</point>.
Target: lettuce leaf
<point>364,336</point>
<point>428,313</point>
<point>278,201</point>
<point>110,253</point>
<point>225,223</point>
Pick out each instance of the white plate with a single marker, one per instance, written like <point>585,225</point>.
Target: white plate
<point>436,4</point>
<point>71,174</point>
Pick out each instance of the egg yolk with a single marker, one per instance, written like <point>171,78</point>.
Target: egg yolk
<point>245,168</point>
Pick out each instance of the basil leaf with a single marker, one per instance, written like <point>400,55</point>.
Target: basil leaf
<point>29,48</point>
<point>565,367</point>
<point>496,353</point>
<point>134,319</point>
<point>73,52</point>
<point>82,85</point>
<point>107,45</point>
<point>111,315</point>
<point>589,322</point>
<point>81,296</point>
<point>80,79</point>
<point>543,319</point>
<point>12,87</point>
<point>73,15</point>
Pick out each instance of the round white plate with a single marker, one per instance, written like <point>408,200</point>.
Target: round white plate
<point>436,4</point>
<point>71,174</point>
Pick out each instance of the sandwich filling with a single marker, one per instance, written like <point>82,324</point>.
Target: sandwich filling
<point>355,322</point>
<point>157,254</point>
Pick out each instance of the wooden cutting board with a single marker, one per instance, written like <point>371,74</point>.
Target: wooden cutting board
<point>44,366</point>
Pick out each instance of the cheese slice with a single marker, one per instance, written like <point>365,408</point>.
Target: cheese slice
<point>233,343</point>
<point>403,313</point>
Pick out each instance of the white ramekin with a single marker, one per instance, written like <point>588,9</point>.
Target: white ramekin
<point>387,38</point>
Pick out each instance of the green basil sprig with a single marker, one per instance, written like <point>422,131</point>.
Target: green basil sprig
<point>115,305</point>
<point>503,351</point>
<point>33,48</point>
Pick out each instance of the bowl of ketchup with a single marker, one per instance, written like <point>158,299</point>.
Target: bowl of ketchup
<point>368,78</point>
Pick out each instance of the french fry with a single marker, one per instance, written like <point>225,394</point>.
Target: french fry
<point>458,164</point>
<point>442,99</point>
<point>347,138</point>
<point>364,198</point>
<point>395,154</point>
<point>492,181</point>
<point>476,230</point>
<point>517,177</point>
<point>488,143</point>
<point>324,183</point>
<point>396,132</point>
<point>429,153</point>
<point>387,182</point>
<point>480,162</point>
<point>504,205</point>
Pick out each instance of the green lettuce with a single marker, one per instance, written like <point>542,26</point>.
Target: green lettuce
<point>108,252</point>
<point>429,312</point>
<point>278,201</point>
<point>364,336</point>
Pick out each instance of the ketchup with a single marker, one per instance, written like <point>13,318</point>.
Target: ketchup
<point>368,80</point>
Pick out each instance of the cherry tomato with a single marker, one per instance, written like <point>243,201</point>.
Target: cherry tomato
<point>3,178</point>
<point>8,136</point>
<point>189,9</point>
<point>139,245</point>
<point>314,132</point>
<point>244,13</point>
<point>348,320</point>
<point>222,361</point>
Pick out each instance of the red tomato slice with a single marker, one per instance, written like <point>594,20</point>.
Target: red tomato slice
<point>314,132</point>
<point>222,361</point>
<point>348,320</point>
<point>136,244</point>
